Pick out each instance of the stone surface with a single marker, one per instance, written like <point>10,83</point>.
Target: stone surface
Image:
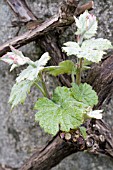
<point>85,161</point>
<point>19,134</point>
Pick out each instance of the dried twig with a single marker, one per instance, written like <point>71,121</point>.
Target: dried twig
<point>50,24</point>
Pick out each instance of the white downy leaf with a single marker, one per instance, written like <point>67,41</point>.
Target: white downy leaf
<point>96,44</point>
<point>72,48</point>
<point>31,73</point>
<point>86,25</point>
<point>97,114</point>
<point>91,55</point>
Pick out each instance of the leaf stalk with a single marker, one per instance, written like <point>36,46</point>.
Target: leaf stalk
<point>39,87</point>
<point>46,94</point>
<point>79,62</point>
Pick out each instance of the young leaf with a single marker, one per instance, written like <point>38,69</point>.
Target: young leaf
<point>97,114</point>
<point>87,25</point>
<point>67,67</point>
<point>91,55</point>
<point>96,44</point>
<point>85,94</point>
<point>83,131</point>
<point>15,58</point>
<point>61,94</point>
<point>62,113</point>
<point>92,49</point>
<point>72,48</point>
<point>31,73</point>
<point>19,92</point>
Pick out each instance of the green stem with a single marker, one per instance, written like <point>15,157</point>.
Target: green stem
<point>79,71</point>
<point>44,86</point>
<point>73,78</point>
<point>31,63</point>
<point>79,62</point>
<point>38,87</point>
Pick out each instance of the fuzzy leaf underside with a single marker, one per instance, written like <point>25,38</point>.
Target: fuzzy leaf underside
<point>96,44</point>
<point>72,48</point>
<point>19,92</point>
<point>92,31</point>
<point>66,109</point>
<point>65,67</point>
<point>85,27</point>
<point>91,55</point>
<point>15,58</point>
<point>31,73</point>
<point>91,50</point>
<point>16,52</point>
<point>6,59</point>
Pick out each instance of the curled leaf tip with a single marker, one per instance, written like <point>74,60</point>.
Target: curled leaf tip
<point>97,114</point>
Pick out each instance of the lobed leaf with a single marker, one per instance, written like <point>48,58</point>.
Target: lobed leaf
<point>91,55</point>
<point>96,44</point>
<point>86,25</point>
<point>63,112</point>
<point>67,67</point>
<point>31,73</point>
<point>85,94</point>
<point>91,50</point>
<point>15,58</point>
<point>16,52</point>
<point>61,94</point>
<point>43,60</point>
<point>72,48</point>
<point>19,92</point>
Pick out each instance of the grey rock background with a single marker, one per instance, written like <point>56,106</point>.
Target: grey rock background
<point>19,134</point>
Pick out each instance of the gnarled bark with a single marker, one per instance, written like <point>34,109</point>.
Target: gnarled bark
<point>49,25</point>
<point>99,140</point>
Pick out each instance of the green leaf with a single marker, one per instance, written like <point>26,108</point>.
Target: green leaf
<point>72,48</point>
<point>87,25</point>
<point>67,67</point>
<point>62,113</point>
<point>96,44</point>
<point>61,94</point>
<point>19,92</point>
<point>83,131</point>
<point>85,94</point>
<point>31,73</point>
<point>87,62</point>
